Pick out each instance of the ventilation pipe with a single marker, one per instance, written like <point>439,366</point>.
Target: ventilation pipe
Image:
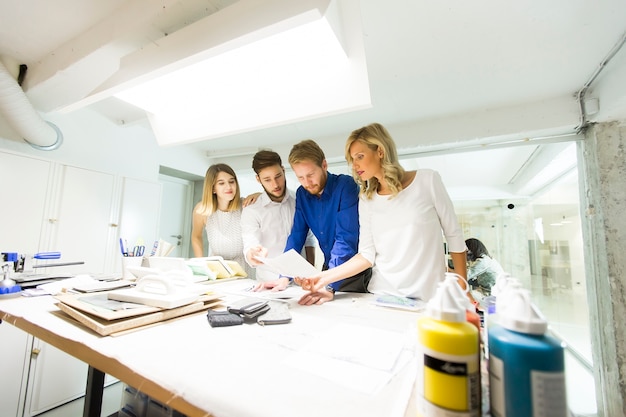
<point>23,118</point>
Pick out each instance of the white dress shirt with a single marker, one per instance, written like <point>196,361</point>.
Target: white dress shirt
<point>268,223</point>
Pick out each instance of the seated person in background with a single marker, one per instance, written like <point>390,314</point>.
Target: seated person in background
<point>266,224</point>
<point>402,215</point>
<point>482,269</point>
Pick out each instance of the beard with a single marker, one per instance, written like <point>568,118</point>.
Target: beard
<point>274,197</point>
<point>318,188</point>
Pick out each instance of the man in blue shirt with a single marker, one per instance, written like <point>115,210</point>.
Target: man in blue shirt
<point>327,204</point>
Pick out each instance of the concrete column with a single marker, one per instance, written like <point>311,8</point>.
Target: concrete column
<point>602,165</point>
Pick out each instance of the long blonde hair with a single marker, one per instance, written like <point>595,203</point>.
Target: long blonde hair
<point>208,205</point>
<point>376,137</point>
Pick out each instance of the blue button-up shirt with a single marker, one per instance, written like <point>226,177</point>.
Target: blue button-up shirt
<point>333,218</point>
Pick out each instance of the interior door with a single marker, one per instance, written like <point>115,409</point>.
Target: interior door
<point>176,206</point>
<point>139,215</point>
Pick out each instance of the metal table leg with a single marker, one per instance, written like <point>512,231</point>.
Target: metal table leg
<point>93,394</point>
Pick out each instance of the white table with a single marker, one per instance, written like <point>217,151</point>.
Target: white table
<point>235,371</point>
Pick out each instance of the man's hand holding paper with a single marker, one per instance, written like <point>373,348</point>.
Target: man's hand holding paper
<point>255,254</point>
<point>292,265</point>
<point>289,264</point>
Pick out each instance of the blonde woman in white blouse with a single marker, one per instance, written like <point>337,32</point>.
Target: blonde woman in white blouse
<point>402,216</point>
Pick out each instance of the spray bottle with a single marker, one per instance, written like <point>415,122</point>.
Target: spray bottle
<point>449,364</point>
<point>526,366</point>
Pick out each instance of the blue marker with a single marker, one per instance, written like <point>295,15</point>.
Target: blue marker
<point>124,252</point>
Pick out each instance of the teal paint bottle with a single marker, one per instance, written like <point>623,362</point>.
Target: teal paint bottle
<point>526,366</point>
<point>504,283</point>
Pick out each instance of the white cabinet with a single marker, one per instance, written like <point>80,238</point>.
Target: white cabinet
<point>47,206</point>
<point>51,207</point>
<point>79,221</point>
<point>13,351</point>
<point>55,378</point>
<point>23,203</point>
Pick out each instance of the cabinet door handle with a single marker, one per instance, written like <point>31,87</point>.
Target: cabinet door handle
<point>52,220</point>
<point>177,236</point>
<point>35,352</point>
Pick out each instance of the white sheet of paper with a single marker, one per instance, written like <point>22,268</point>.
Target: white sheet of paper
<point>289,293</point>
<point>363,359</point>
<point>290,264</point>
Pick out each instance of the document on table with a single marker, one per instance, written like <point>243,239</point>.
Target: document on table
<point>290,264</point>
<point>291,292</point>
<point>360,358</point>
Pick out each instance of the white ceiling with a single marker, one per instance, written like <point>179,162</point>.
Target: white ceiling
<point>443,73</point>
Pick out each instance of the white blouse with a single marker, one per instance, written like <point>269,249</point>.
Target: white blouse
<point>403,237</point>
<point>223,231</point>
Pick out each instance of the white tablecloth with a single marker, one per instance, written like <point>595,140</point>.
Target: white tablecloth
<point>251,370</point>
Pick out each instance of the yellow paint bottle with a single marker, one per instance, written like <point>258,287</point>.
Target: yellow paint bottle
<point>449,364</point>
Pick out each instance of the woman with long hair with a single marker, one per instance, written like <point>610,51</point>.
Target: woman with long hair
<point>482,268</point>
<point>219,214</point>
<point>402,216</point>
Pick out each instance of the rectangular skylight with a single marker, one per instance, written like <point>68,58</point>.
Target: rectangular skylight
<point>306,71</point>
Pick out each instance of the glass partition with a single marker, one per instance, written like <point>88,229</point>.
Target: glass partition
<point>532,226</point>
<point>539,241</point>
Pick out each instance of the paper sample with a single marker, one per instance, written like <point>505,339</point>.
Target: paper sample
<point>290,264</point>
<point>360,358</point>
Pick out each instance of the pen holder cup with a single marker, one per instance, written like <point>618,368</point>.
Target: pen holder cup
<point>130,261</point>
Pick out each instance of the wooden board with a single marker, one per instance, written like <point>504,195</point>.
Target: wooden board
<point>212,305</point>
<point>141,295</point>
<point>110,327</point>
<point>76,301</point>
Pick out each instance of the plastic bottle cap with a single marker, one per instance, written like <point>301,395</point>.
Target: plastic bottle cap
<point>445,307</point>
<point>521,315</point>
<point>512,285</point>
<point>501,283</point>
<point>452,282</point>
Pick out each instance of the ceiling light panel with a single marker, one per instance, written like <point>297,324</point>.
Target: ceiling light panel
<point>307,65</point>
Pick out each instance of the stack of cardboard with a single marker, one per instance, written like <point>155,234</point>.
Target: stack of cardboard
<point>107,316</point>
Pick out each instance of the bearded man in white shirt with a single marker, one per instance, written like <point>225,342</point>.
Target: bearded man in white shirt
<point>266,224</point>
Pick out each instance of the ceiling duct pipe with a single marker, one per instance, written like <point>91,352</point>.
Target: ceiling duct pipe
<point>22,116</point>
